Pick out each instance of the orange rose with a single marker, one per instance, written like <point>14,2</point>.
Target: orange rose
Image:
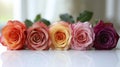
<point>60,35</point>
<point>0,39</point>
<point>13,35</point>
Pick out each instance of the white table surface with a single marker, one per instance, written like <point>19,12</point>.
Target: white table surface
<point>71,58</point>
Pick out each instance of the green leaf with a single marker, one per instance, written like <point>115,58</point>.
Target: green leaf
<point>96,21</point>
<point>67,18</point>
<point>28,23</point>
<point>85,16</point>
<point>37,18</point>
<point>45,21</point>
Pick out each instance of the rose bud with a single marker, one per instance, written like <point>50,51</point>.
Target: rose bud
<point>82,36</point>
<point>13,35</point>
<point>38,37</point>
<point>106,37</point>
<point>60,35</point>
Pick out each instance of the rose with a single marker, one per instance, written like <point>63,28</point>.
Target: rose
<point>13,35</point>
<point>82,36</point>
<point>38,37</point>
<point>0,39</point>
<point>106,37</point>
<point>60,34</point>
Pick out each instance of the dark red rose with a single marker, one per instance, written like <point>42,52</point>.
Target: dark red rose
<point>106,37</point>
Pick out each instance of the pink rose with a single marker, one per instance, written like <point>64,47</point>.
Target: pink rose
<point>38,37</point>
<point>82,36</point>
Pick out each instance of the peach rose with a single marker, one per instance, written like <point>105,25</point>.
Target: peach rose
<point>60,35</point>
<point>38,37</point>
<point>82,36</point>
<point>13,35</point>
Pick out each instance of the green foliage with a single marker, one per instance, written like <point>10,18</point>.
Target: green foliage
<point>85,16</point>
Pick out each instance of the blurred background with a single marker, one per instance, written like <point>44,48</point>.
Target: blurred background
<point>107,10</point>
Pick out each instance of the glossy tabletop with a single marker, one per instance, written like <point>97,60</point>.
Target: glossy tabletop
<point>71,58</point>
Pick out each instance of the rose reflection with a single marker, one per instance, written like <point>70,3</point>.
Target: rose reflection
<point>27,58</point>
<point>104,58</point>
<point>80,58</point>
<point>60,59</point>
<point>71,59</point>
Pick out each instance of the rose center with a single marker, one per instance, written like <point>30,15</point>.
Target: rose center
<point>103,38</point>
<point>81,37</point>
<point>14,36</point>
<point>36,37</point>
<point>60,36</point>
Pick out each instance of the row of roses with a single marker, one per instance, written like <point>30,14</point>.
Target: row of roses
<point>63,35</point>
<point>59,36</point>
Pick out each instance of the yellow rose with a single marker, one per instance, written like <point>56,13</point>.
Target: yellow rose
<point>60,35</point>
